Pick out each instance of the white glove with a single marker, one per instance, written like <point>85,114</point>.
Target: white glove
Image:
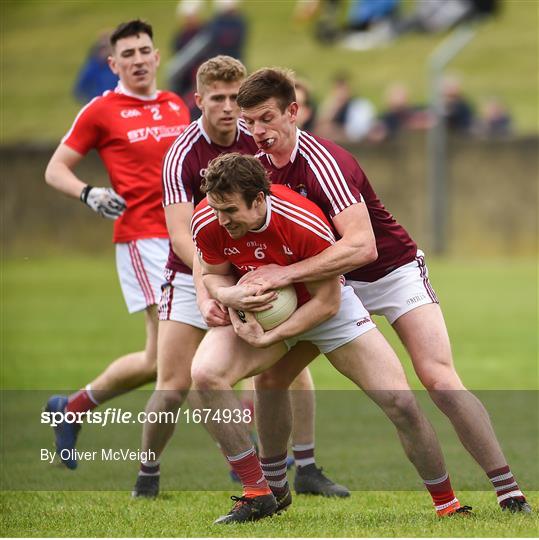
<point>105,201</point>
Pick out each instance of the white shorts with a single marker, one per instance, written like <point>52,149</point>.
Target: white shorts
<point>179,302</point>
<point>140,265</point>
<point>351,321</point>
<point>400,291</point>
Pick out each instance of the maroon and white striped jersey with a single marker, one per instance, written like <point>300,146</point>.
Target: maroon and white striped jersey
<point>295,229</point>
<point>331,177</point>
<point>184,166</point>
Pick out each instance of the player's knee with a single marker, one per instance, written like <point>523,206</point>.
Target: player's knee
<point>170,400</point>
<point>204,378</point>
<point>150,365</point>
<point>441,378</point>
<point>271,380</point>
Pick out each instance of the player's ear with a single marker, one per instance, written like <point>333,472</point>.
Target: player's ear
<point>260,198</point>
<point>292,111</point>
<point>198,100</point>
<point>157,57</point>
<point>112,65</point>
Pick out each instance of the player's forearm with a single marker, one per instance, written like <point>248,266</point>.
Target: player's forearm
<point>201,290</point>
<point>216,285</point>
<point>340,258</point>
<point>59,176</point>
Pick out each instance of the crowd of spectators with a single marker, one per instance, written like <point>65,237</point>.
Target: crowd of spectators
<point>344,115</point>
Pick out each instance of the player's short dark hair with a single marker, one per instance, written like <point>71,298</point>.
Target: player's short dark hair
<point>236,173</point>
<point>131,28</point>
<point>267,83</point>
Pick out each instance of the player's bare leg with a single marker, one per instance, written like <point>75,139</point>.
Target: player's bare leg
<point>272,404</point>
<point>177,344</point>
<point>122,375</point>
<point>302,399</point>
<point>424,334</point>
<point>221,360</point>
<point>371,363</point>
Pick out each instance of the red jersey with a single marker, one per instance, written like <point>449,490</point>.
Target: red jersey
<point>131,135</point>
<point>295,229</point>
<point>184,166</point>
<point>331,177</point>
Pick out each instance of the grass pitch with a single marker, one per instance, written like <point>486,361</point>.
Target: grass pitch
<point>63,320</point>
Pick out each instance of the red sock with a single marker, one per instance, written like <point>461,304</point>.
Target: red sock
<point>442,495</point>
<point>81,401</point>
<point>505,485</point>
<point>250,473</point>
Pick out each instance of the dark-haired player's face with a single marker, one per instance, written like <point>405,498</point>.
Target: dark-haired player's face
<point>273,130</point>
<point>217,101</point>
<point>234,214</point>
<point>135,61</point>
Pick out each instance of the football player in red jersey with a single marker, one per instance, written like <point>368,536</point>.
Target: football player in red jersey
<point>379,259</point>
<point>181,323</point>
<point>243,224</point>
<point>131,128</point>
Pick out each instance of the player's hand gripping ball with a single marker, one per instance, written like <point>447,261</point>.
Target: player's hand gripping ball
<point>281,309</point>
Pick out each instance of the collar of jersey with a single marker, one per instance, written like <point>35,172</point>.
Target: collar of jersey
<point>268,217</point>
<point>121,89</point>
<point>207,137</point>
<point>294,151</point>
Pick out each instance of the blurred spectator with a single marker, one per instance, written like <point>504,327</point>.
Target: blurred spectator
<point>399,115</point>
<point>95,76</point>
<point>228,30</point>
<point>307,108</point>
<point>495,121</point>
<point>344,117</point>
<point>458,112</point>
<point>191,24</point>
<point>225,34</point>
<point>363,14</point>
<point>428,16</point>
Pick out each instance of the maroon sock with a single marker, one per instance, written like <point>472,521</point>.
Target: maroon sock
<point>274,469</point>
<point>505,485</point>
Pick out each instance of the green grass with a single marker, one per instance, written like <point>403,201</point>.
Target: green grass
<point>45,42</point>
<point>190,514</point>
<point>70,311</point>
<point>63,319</point>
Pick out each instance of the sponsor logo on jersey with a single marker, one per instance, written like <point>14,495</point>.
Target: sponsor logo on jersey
<point>231,251</point>
<point>287,250</point>
<point>254,243</point>
<point>174,106</point>
<point>156,132</point>
<point>130,113</point>
<point>363,321</point>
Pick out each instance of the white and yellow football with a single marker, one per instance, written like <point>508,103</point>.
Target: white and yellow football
<point>282,308</point>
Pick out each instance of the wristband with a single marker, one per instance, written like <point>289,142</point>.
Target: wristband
<point>84,193</point>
